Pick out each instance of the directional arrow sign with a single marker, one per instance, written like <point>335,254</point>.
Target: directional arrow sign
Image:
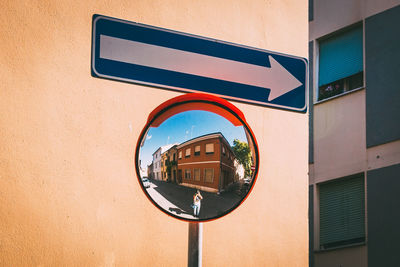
<point>143,54</point>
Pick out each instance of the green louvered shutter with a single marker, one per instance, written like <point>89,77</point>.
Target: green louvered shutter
<point>340,56</point>
<point>342,212</point>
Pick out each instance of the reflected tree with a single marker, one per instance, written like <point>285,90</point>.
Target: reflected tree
<point>243,155</point>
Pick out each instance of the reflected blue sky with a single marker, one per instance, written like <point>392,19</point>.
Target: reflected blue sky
<point>184,126</point>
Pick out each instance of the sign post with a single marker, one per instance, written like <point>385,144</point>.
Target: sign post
<point>195,244</point>
<point>173,198</point>
<point>147,55</point>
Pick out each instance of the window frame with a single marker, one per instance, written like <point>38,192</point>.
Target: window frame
<point>320,246</point>
<point>194,174</point>
<point>213,148</point>
<point>197,152</point>
<point>186,172</point>
<point>187,155</point>
<point>316,71</point>
<point>205,175</point>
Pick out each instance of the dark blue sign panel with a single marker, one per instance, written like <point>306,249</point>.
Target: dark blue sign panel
<point>137,53</point>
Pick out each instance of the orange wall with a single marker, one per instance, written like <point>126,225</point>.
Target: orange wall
<point>69,195</point>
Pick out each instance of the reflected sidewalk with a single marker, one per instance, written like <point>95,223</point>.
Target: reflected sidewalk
<point>177,199</point>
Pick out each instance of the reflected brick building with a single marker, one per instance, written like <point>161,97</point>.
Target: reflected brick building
<point>206,162</point>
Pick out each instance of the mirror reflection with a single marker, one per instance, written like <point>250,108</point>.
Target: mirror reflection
<point>196,165</point>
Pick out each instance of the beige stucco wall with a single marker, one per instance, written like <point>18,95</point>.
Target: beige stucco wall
<point>352,256</point>
<point>68,189</point>
<point>339,137</point>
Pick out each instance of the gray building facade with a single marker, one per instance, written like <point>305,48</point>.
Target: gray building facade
<point>354,133</point>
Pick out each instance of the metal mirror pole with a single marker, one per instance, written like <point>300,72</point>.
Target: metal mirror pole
<point>195,244</point>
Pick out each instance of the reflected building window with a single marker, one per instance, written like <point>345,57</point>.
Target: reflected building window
<point>208,175</point>
<point>209,148</point>
<point>187,174</point>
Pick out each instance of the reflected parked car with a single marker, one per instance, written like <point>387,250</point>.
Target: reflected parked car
<point>245,186</point>
<point>146,182</point>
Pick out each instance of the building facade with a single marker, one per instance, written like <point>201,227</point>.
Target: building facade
<point>159,158</point>
<point>239,169</point>
<point>150,170</point>
<point>157,164</point>
<point>172,169</point>
<point>206,163</point>
<point>164,162</point>
<point>354,133</point>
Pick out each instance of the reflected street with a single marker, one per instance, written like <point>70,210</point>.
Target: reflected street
<point>177,200</point>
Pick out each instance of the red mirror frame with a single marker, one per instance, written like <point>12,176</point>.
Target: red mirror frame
<point>205,102</point>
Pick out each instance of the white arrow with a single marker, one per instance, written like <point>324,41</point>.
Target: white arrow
<point>276,78</point>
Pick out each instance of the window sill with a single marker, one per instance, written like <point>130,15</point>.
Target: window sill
<point>341,247</point>
<point>339,95</point>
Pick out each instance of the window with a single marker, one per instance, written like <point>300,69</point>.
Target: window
<point>342,212</point>
<point>209,175</point>
<point>187,174</point>
<point>223,150</point>
<point>174,157</point>
<point>196,174</point>
<point>187,153</point>
<point>209,148</point>
<point>197,150</point>
<point>180,154</point>
<point>340,63</point>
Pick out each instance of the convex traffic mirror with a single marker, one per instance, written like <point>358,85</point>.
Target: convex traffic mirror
<point>197,158</point>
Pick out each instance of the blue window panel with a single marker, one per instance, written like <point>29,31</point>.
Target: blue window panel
<point>341,56</point>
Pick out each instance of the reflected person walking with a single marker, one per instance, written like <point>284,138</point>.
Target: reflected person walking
<point>197,197</point>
